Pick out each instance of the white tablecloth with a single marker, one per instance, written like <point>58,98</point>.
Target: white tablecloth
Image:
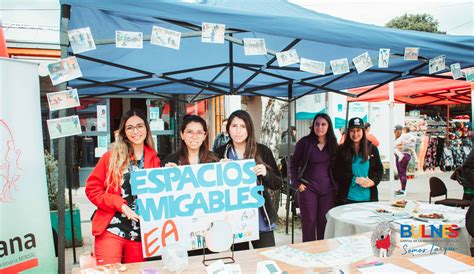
<point>361,217</point>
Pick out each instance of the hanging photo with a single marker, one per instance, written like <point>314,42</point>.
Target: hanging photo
<point>313,66</point>
<point>128,39</point>
<point>81,40</point>
<point>63,99</point>
<point>340,66</point>
<point>212,33</point>
<point>101,118</point>
<point>456,71</point>
<point>165,37</point>
<point>384,57</point>
<point>362,62</point>
<point>102,146</point>
<point>254,46</point>
<point>437,64</point>
<point>286,58</point>
<point>469,75</point>
<point>63,127</point>
<point>411,54</point>
<point>64,70</point>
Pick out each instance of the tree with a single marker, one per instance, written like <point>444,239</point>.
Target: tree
<point>420,22</point>
<point>271,134</point>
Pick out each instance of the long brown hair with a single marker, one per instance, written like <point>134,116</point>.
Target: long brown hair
<point>330,136</point>
<point>205,156</point>
<point>348,147</point>
<point>251,147</point>
<point>122,149</point>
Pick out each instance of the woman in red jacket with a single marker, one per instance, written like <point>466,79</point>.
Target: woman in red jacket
<point>115,224</point>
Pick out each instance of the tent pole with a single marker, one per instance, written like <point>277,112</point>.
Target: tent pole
<point>287,159</point>
<point>391,104</point>
<point>447,126</point>
<point>347,116</point>
<point>62,149</point>
<point>231,66</point>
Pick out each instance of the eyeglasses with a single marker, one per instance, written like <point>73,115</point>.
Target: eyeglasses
<point>139,127</point>
<point>190,133</point>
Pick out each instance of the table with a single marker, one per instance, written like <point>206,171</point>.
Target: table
<point>248,260</point>
<point>361,217</point>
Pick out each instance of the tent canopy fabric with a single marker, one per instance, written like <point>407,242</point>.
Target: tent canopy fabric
<point>224,67</point>
<point>420,91</point>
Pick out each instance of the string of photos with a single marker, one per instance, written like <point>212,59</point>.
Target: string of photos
<point>81,40</point>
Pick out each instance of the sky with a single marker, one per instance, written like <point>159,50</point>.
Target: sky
<point>456,17</point>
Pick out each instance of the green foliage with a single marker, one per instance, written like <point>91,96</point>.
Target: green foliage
<point>420,22</point>
<point>52,179</point>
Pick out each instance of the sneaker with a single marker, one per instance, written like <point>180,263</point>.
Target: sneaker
<point>400,193</point>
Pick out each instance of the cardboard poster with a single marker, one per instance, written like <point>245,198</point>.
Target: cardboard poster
<point>179,204</point>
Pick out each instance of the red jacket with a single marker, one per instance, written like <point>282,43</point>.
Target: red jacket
<point>109,202</point>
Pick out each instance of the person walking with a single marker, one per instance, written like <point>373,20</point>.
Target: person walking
<point>115,223</point>
<point>222,138</point>
<point>370,137</point>
<point>243,145</point>
<point>404,150</point>
<point>358,168</point>
<point>311,174</point>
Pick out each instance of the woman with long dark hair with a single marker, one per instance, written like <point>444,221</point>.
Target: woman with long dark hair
<point>243,145</point>
<point>115,224</point>
<point>194,145</point>
<point>358,168</point>
<point>311,173</point>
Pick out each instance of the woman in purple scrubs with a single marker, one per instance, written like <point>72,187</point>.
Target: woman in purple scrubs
<point>311,175</point>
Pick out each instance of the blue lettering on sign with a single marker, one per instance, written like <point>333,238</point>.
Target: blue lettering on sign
<point>187,177</point>
<point>247,170</point>
<point>201,177</point>
<point>233,196</point>
<point>137,179</point>
<point>236,181</point>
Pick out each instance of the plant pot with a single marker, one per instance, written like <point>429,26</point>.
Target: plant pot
<point>67,222</point>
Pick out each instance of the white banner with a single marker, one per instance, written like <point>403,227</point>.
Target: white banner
<point>26,242</point>
<point>180,203</point>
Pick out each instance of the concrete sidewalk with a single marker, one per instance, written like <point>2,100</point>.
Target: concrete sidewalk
<point>417,189</point>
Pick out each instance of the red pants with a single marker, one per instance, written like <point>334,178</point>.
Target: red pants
<point>110,248</point>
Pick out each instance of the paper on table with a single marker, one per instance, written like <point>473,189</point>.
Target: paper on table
<point>441,263</point>
<point>367,206</point>
<point>366,217</point>
<point>385,268</point>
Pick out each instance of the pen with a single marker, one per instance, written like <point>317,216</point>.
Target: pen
<point>370,264</point>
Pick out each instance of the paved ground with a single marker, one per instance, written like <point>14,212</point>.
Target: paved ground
<point>417,189</point>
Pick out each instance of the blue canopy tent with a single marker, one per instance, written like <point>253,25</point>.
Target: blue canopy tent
<point>217,69</point>
<point>206,70</point>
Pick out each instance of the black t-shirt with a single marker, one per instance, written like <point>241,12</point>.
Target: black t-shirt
<point>120,225</point>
